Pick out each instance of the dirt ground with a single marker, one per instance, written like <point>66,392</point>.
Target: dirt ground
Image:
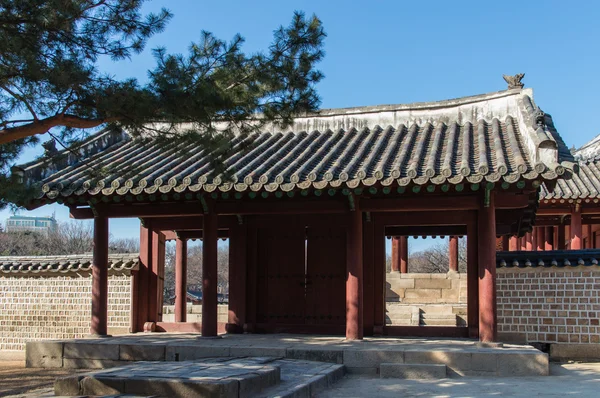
<point>17,380</point>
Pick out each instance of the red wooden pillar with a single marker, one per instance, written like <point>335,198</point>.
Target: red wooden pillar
<point>540,238</point>
<point>590,239</point>
<point>487,271</point>
<point>99,324</point>
<point>143,282</point>
<point>404,254</point>
<point>354,272</point>
<point>453,249</point>
<point>236,317</point>
<point>209,274</point>
<point>560,237</point>
<point>395,254</point>
<point>156,276</point>
<point>513,244</point>
<point>505,243</point>
<point>472,277</point>
<point>180,279</point>
<point>369,278</point>
<point>549,243</point>
<point>528,241</point>
<point>576,232</point>
<point>379,282</point>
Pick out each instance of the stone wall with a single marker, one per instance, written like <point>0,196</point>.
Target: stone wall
<point>557,306</point>
<point>194,313</point>
<point>415,299</point>
<point>57,307</point>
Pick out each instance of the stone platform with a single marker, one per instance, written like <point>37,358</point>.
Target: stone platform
<point>462,357</point>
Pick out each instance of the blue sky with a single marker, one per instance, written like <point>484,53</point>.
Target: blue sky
<point>384,52</point>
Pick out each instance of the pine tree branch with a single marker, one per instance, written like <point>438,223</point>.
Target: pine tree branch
<point>41,126</point>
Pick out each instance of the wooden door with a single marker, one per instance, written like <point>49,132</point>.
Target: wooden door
<point>281,275</point>
<point>326,275</point>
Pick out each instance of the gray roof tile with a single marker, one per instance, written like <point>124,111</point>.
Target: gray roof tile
<point>493,137</point>
<point>64,264</point>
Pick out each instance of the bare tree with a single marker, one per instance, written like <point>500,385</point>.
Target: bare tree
<point>74,237</point>
<point>194,270</point>
<point>436,259</point>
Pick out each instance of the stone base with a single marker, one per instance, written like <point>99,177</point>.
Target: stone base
<point>462,357</point>
<point>231,379</point>
<point>412,371</point>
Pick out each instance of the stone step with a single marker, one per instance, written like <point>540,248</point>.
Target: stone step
<point>438,322</point>
<point>412,371</point>
<point>303,379</point>
<point>213,377</point>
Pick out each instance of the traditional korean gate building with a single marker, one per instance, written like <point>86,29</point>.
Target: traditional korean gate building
<point>568,217</point>
<point>308,209</point>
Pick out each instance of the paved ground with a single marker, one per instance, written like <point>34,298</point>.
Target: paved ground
<point>580,380</point>
<point>16,380</point>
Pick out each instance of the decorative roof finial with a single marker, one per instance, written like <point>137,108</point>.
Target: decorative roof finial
<point>50,147</point>
<point>514,81</point>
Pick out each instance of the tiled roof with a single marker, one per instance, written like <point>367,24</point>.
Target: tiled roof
<point>556,258</point>
<point>495,137</point>
<point>65,264</point>
<point>583,184</point>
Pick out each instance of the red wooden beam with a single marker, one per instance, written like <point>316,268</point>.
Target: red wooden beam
<point>187,234</point>
<point>422,218</point>
<point>427,230</point>
<point>184,223</point>
<point>421,203</point>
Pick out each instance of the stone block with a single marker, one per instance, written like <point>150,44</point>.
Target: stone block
<point>102,386</point>
<point>257,352</point>
<point>91,351</point>
<point>412,371</point>
<point>575,351</point>
<point>529,364</point>
<point>458,361</point>
<point>401,284</point>
<point>67,386</point>
<point>81,363</point>
<point>44,354</point>
<point>371,358</point>
<point>252,383</point>
<point>484,362</point>
<point>189,352</point>
<point>362,371</point>
<point>141,352</point>
<point>416,275</point>
<point>334,373</point>
<point>439,276</point>
<point>317,383</point>
<point>183,388</point>
<point>321,355</point>
<point>433,284</point>
<point>423,294</point>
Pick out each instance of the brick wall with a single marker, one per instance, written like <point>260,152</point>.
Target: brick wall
<point>56,307</point>
<point>549,305</point>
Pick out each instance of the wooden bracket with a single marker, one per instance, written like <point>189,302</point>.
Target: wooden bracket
<point>204,205</point>
<point>351,202</point>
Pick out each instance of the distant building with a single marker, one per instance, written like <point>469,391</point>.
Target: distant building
<point>35,224</point>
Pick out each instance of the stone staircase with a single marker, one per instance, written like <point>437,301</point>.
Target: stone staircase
<point>398,314</point>
<point>209,377</point>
